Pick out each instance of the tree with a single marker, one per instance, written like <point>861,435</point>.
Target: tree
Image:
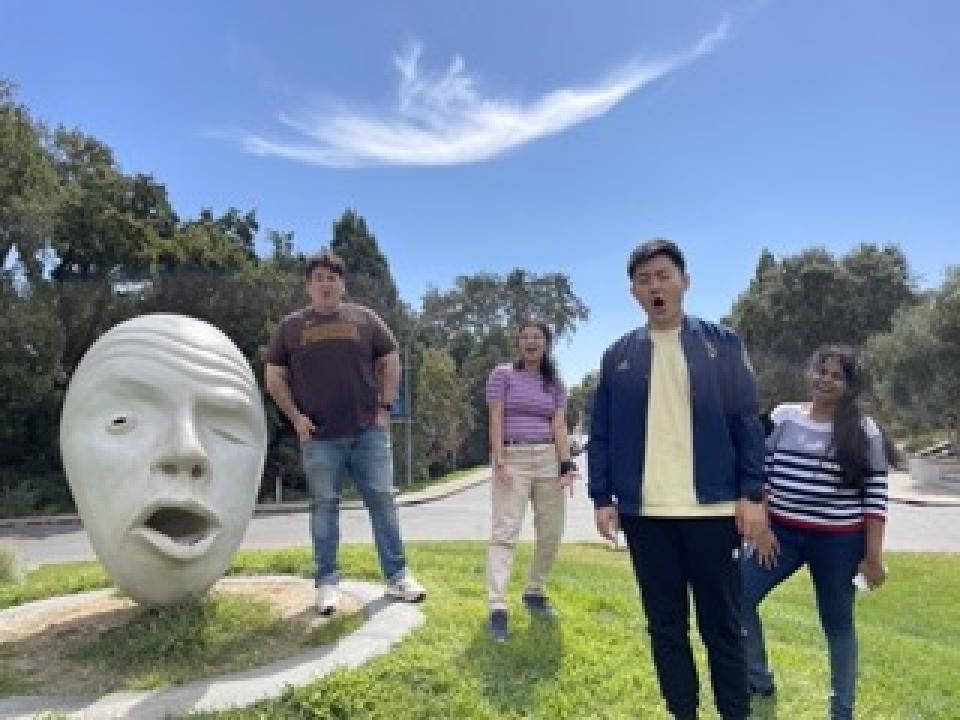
<point>916,366</point>
<point>580,406</point>
<point>482,303</point>
<point>369,281</point>
<point>800,302</point>
<point>443,414</point>
<point>29,192</point>
<point>32,380</point>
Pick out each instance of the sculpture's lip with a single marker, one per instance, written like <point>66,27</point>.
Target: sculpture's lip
<point>180,529</point>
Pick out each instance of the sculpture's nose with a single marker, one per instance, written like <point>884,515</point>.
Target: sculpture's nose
<point>182,454</point>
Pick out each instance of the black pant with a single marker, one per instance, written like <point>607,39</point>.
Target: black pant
<point>669,555</point>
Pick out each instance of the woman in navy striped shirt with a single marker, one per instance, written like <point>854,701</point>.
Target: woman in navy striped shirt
<point>826,497</point>
<point>530,454</point>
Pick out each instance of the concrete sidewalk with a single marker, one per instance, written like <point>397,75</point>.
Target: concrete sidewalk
<point>902,489</point>
<point>431,493</point>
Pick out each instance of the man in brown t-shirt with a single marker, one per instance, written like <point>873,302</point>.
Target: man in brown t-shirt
<point>321,370</point>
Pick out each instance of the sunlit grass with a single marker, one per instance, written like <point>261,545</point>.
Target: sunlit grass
<point>595,663</point>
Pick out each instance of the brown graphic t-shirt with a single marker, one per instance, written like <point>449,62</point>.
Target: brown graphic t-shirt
<point>331,360</point>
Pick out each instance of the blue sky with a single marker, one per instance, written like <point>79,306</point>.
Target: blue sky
<point>553,136</point>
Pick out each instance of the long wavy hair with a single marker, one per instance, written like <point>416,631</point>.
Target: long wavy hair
<point>548,368</point>
<point>849,443</point>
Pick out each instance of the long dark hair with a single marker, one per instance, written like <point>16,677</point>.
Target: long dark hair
<point>548,368</point>
<point>849,442</point>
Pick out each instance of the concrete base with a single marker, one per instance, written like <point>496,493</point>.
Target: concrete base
<point>387,622</point>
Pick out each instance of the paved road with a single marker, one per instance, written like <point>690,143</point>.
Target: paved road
<point>466,516</point>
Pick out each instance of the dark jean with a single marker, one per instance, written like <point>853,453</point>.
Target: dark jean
<point>672,558</point>
<point>832,559</point>
<point>368,459</point>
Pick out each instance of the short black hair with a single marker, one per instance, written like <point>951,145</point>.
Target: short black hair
<point>330,260</point>
<point>650,249</point>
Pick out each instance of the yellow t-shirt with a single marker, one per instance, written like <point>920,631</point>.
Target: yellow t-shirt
<point>668,489</point>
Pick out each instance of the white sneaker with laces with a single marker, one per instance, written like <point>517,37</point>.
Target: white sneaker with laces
<point>328,595</point>
<point>406,588</point>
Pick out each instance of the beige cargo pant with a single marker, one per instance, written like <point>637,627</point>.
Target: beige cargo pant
<point>534,471</point>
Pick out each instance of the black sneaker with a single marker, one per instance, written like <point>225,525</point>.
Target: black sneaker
<point>498,625</point>
<point>539,606</point>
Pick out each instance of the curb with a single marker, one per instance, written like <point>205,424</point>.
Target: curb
<point>419,497</point>
<point>925,500</point>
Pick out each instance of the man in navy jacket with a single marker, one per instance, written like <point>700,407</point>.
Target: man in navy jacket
<point>676,460</point>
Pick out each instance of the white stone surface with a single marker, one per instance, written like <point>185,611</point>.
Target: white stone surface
<point>163,440</point>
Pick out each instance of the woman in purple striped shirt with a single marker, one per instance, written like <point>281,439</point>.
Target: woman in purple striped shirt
<point>530,454</point>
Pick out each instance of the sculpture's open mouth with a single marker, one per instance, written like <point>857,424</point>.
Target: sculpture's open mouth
<point>179,530</point>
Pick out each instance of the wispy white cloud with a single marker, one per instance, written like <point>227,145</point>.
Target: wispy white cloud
<point>443,119</point>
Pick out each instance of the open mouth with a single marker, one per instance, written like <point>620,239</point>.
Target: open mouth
<point>658,302</point>
<point>179,530</point>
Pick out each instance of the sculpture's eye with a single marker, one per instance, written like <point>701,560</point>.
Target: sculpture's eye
<point>121,423</point>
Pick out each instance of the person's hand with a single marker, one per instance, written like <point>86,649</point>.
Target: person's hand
<point>382,419</point>
<point>607,523</point>
<point>751,520</point>
<point>567,481</point>
<point>873,572</point>
<point>767,549</point>
<point>501,473</point>
<point>304,427</point>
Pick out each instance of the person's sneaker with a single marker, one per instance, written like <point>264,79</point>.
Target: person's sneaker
<point>539,605</point>
<point>498,625</point>
<point>406,588</point>
<point>328,595</point>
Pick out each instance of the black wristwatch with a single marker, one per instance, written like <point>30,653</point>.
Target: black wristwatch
<point>388,406</point>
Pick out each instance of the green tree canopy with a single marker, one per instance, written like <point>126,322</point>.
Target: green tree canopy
<point>916,366</point>
<point>799,302</point>
<point>29,189</point>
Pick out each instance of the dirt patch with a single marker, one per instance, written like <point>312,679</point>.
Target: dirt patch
<point>36,646</point>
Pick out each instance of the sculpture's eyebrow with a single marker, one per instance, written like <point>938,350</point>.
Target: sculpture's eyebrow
<point>133,385</point>
<point>225,398</point>
<point>219,396</point>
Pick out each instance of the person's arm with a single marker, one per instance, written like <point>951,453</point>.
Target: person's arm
<point>390,369</point>
<point>748,446</point>
<point>495,422</point>
<point>276,379</point>
<point>875,511</point>
<point>561,443</point>
<point>872,564</point>
<point>496,395</point>
<point>598,461</point>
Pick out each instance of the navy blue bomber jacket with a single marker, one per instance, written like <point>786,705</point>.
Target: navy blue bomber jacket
<point>728,445</point>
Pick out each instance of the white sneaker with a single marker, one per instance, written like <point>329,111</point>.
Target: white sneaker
<point>406,588</point>
<point>328,595</point>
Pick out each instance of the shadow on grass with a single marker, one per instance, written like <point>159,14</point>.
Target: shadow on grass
<point>510,673</point>
<point>763,708</point>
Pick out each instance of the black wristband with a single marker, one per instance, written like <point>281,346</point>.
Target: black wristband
<point>388,406</point>
<point>567,467</point>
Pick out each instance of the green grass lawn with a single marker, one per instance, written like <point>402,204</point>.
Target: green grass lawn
<point>595,663</point>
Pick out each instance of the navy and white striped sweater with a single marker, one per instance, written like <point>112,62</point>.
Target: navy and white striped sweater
<point>804,483</point>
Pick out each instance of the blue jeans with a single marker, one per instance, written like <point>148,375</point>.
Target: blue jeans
<point>832,559</point>
<point>368,459</point>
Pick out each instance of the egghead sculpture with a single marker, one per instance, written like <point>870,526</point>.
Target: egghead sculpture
<point>163,440</point>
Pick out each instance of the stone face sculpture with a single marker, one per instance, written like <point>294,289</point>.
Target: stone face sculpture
<point>163,440</point>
